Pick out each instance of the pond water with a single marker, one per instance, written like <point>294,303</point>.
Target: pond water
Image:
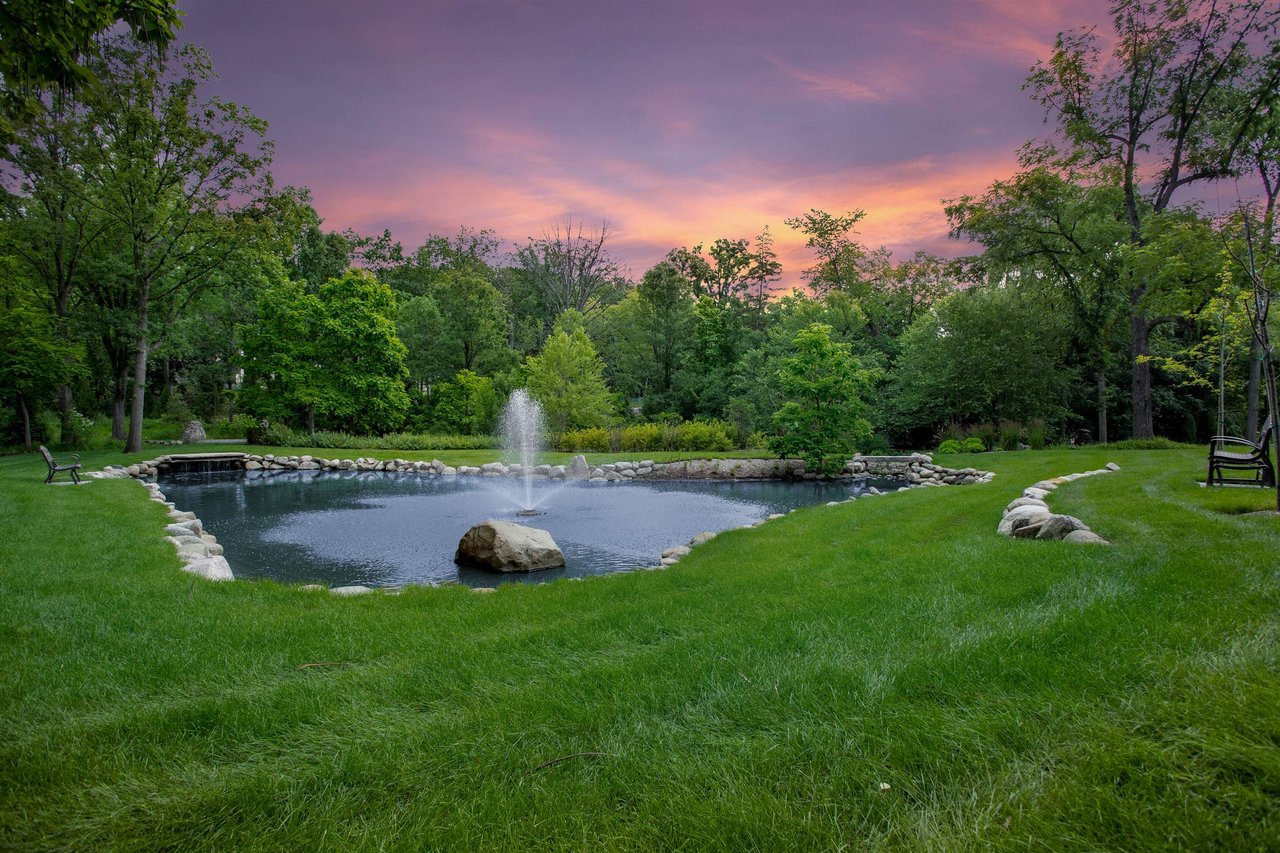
<point>384,529</point>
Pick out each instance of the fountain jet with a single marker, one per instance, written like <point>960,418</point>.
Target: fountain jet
<point>522,431</point>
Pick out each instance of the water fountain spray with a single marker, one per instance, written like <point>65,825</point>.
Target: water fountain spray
<point>522,430</point>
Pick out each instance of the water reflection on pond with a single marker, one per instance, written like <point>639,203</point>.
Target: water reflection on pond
<point>383,529</point>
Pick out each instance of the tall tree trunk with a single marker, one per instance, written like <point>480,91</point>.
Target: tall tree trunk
<point>26,423</point>
<point>1102,405</point>
<point>1255,380</point>
<point>1139,349</point>
<point>118,359</point>
<point>65,404</point>
<point>133,443</point>
<point>311,420</point>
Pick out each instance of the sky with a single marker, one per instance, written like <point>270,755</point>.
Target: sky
<point>675,123</point>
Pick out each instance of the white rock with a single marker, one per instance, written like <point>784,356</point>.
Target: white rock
<point>1085,537</point>
<point>1020,517</point>
<point>211,568</point>
<point>350,590</point>
<point>676,551</point>
<point>508,547</point>
<point>704,536</point>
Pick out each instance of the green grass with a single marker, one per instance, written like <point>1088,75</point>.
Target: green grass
<point>1011,694</point>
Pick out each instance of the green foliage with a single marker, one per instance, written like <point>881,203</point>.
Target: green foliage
<point>964,445</point>
<point>703,435</point>
<point>237,427</point>
<point>277,435</point>
<point>1157,443</point>
<point>981,355</point>
<point>472,324</point>
<point>333,354</point>
<point>822,421</point>
<point>690,436</point>
<point>1010,434</point>
<point>641,437</point>
<point>1037,432</point>
<point>34,358</point>
<point>567,378</point>
<point>468,405</point>
<point>44,45</point>
<point>582,440</point>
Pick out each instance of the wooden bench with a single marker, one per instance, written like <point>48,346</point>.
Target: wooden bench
<point>1251,456</point>
<point>55,467</point>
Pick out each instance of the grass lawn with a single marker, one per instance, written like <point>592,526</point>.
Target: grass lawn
<point>885,673</point>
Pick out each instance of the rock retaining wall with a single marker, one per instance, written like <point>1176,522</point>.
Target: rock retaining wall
<point>1029,516</point>
<point>917,469</point>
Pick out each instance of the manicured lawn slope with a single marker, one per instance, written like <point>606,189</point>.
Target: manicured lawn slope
<point>759,695</point>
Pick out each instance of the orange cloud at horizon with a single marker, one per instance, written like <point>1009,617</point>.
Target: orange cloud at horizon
<point>649,213</point>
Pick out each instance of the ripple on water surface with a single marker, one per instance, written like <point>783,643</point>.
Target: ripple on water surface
<point>381,529</point>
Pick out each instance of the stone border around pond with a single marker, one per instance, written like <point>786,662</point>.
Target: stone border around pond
<point>1029,516</point>
<point>917,468</point>
<point>203,556</point>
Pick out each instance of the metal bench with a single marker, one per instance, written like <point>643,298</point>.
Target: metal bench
<point>55,466</point>
<point>1250,456</point>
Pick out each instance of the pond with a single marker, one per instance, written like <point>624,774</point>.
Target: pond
<point>382,529</point>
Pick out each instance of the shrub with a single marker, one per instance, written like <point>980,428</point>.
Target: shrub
<point>703,435</point>
<point>46,428</point>
<point>952,430</point>
<point>238,427</point>
<point>580,440</point>
<point>640,438</point>
<point>1010,434</point>
<point>972,444</point>
<point>281,436</point>
<point>757,441</point>
<point>1036,432</point>
<point>1157,443</point>
<point>985,433</point>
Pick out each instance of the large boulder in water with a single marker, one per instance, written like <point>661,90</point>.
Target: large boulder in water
<point>508,547</point>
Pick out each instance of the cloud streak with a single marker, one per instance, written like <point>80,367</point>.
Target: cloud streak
<point>678,123</point>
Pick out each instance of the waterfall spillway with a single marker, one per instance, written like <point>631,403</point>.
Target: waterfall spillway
<point>522,432</point>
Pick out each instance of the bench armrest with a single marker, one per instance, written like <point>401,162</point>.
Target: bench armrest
<point>1231,439</point>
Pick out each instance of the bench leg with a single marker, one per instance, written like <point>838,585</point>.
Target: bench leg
<point>75,478</point>
<point>49,479</point>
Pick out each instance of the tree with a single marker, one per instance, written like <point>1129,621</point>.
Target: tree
<point>473,322</point>
<point>980,355</point>
<point>1173,106</point>
<point>572,268</point>
<point>35,358</point>
<point>840,256</point>
<point>466,405</point>
<point>429,355</point>
<point>44,44</point>
<point>49,226</point>
<point>822,421</point>
<point>731,275</point>
<point>666,313</point>
<point>567,378</point>
<point>170,169</point>
<point>1067,233</point>
<point>332,354</point>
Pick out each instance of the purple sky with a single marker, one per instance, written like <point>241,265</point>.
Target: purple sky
<point>676,122</point>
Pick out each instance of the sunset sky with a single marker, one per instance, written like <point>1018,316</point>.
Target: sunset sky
<point>676,122</point>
